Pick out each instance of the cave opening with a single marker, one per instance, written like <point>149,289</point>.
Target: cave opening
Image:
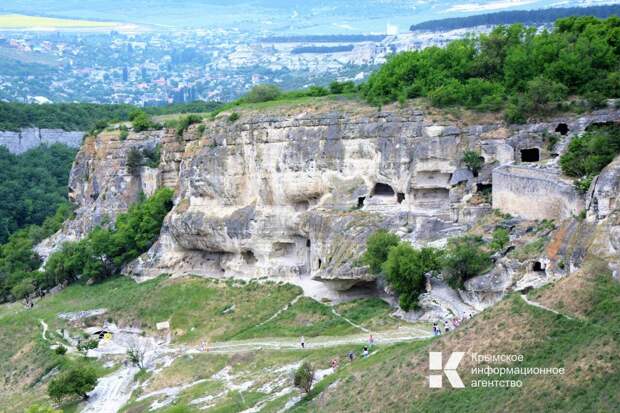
<point>360,201</point>
<point>562,129</point>
<point>538,267</point>
<point>320,263</point>
<point>400,197</point>
<point>249,257</point>
<point>383,190</point>
<point>530,155</point>
<point>308,243</point>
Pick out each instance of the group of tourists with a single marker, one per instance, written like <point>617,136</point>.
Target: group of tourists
<point>448,325</point>
<point>351,355</point>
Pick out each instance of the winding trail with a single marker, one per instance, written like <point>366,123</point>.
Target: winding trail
<point>538,305</point>
<point>280,311</point>
<point>337,314</point>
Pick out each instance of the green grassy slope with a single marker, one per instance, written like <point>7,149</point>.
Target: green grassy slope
<point>587,347</point>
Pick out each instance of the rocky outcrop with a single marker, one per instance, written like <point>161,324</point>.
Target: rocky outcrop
<point>604,207</point>
<point>294,193</point>
<point>100,185</point>
<point>29,138</point>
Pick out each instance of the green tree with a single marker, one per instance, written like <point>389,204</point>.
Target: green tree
<point>500,239</point>
<point>464,259</point>
<point>589,153</point>
<point>473,160</point>
<point>304,376</point>
<point>77,381</point>
<point>377,248</point>
<point>141,122</point>
<point>406,269</point>
<point>135,160</point>
<point>262,93</point>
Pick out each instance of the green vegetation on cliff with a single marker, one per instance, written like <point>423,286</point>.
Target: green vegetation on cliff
<point>98,256</point>
<point>405,267</point>
<point>589,153</point>
<point>102,253</point>
<point>513,67</point>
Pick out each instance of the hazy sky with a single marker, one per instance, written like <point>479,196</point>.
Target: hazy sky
<point>309,16</point>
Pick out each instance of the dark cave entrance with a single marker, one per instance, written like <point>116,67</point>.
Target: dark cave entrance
<point>383,190</point>
<point>562,129</point>
<point>360,201</point>
<point>538,267</point>
<point>249,257</point>
<point>308,243</point>
<point>320,263</point>
<point>530,155</point>
<point>400,197</point>
<point>484,188</point>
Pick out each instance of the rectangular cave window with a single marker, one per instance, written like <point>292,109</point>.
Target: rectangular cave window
<point>400,197</point>
<point>538,267</point>
<point>320,263</point>
<point>360,201</point>
<point>530,155</point>
<point>308,243</point>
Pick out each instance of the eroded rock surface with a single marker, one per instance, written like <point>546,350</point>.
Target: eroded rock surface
<point>294,194</point>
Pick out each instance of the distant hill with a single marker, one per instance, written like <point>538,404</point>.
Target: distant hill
<point>528,17</point>
<point>317,38</point>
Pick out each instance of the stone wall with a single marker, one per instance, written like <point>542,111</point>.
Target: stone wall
<point>28,138</point>
<point>535,193</point>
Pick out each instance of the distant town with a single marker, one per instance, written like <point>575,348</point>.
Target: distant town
<point>158,68</point>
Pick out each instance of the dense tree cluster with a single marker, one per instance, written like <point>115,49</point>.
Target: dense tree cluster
<point>513,67</point>
<point>83,116</point>
<point>99,255</point>
<point>32,185</point>
<point>405,268</point>
<point>527,17</point>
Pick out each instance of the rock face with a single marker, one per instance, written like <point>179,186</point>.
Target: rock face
<point>604,207</point>
<point>101,187</point>
<point>535,193</point>
<point>295,195</point>
<point>29,138</point>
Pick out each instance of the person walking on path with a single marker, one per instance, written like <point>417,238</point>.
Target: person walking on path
<point>302,341</point>
<point>371,341</point>
<point>350,355</point>
<point>365,352</point>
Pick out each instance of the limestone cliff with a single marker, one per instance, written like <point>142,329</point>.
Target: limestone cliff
<point>29,138</point>
<point>293,193</point>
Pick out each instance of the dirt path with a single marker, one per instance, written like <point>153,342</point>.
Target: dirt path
<point>280,311</point>
<point>385,337</point>
<point>45,328</point>
<point>537,305</point>
<point>337,314</point>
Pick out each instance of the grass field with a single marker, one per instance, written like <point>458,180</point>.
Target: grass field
<point>395,380</point>
<point>19,21</point>
<point>198,309</point>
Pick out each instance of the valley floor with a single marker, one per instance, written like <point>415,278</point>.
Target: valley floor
<point>232,347</point>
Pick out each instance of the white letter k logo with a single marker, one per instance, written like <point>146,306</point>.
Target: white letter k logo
<point>435,362</point>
